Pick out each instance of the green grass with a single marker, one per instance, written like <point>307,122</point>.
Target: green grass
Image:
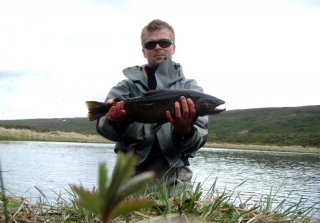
<point>193,206</point>
<point>299,126</point>
<point>112,197</point>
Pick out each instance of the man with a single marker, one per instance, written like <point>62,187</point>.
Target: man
<point>167,151</point>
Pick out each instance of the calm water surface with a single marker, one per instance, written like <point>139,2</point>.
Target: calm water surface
<point>51,167</point>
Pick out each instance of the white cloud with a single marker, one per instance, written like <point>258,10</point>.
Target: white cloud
<point>250,53</point>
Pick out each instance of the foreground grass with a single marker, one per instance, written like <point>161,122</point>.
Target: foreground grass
<point>12,134</point>
<point>170,206</point>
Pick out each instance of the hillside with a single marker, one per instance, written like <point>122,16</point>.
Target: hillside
<point>267,126</point>
<point>271,126</point>
<point>80,125</point>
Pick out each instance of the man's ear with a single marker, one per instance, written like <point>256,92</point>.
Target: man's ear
<point>144,54</point>
<point>174,48</point>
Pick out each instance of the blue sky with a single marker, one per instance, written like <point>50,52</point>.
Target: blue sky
<point>56,54</point>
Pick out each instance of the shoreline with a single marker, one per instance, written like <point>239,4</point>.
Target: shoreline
<point>12,134</point>
<point>274,148</point>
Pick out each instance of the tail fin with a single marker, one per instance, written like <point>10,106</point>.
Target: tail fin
<point>96,109</point>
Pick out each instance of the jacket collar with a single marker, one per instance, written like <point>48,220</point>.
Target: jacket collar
<point>168,73</point>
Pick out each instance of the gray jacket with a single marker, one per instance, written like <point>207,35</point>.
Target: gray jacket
<point>137,136</point>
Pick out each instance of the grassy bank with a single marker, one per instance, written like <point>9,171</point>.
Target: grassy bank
<point>297,149</point>
<point>12,134</point>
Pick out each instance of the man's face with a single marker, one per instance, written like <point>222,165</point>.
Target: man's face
<point>156,55</point>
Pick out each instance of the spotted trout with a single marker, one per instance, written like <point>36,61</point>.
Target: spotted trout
<point>152,106</point>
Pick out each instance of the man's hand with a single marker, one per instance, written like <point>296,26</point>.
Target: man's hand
<point>185,114</point>
<point>116,113</point>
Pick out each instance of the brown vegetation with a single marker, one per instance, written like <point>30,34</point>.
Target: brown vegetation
<point>58,136</point>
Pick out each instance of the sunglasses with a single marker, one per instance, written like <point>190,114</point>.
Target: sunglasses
<point>163,43</point>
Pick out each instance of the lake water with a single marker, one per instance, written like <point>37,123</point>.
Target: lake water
<point>51,167</point>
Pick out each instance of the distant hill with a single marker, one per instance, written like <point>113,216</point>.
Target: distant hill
<point>80,125</point>
<point>271,126</point>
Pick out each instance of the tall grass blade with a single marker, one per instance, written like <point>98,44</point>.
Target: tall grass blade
<point>128,206</point>
<point>135,184</point>
<point>122,171</point>
<point>109,201</point>
<point>103,184</point>
<point>4,199</point>
<point>88,199</point>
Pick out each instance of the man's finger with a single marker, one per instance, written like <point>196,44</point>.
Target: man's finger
<point>177,110</point>
<point>185,107</point>
<point>192,108</point>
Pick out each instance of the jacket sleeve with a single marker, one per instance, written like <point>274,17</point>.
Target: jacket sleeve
<point>108,129</point>
<point>186,146</point>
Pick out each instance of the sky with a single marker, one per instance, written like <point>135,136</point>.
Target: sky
<point>57,54</point>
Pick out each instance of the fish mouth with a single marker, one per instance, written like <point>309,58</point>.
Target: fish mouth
<point>220,106</point>
<point>219,110</point>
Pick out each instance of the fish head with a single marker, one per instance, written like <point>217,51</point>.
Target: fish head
<point>207,105</point>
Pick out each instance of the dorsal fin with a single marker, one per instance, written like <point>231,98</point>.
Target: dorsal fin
<point>152,92</point>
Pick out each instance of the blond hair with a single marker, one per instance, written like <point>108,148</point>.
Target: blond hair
<point>154,25</point>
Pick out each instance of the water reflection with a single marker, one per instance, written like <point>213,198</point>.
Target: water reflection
<point>294,175</point>
<point>53,166</point>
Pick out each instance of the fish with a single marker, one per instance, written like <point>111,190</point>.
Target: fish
<point>152,106</point>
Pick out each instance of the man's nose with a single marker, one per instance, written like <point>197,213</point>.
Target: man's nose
<point>158,46</point>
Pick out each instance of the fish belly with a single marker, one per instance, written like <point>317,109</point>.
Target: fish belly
<point>148,112</point>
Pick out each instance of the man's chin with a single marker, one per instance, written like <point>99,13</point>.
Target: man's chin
<point>159,59</point>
